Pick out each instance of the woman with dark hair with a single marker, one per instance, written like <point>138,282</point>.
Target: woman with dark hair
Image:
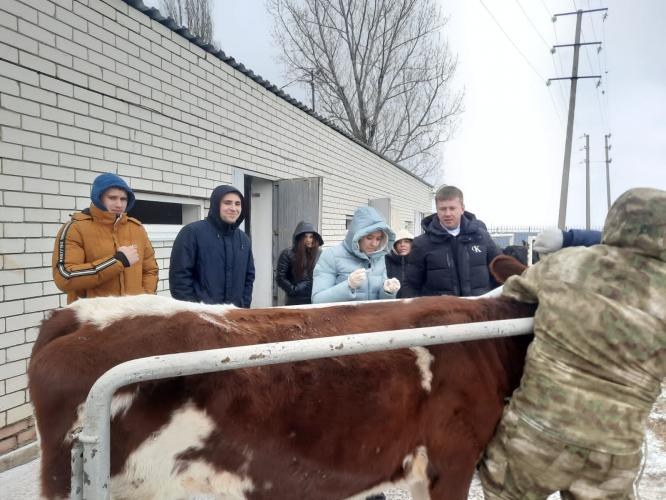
<point>296,264</point>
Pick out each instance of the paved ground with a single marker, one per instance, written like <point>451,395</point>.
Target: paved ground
<point>21,482</point>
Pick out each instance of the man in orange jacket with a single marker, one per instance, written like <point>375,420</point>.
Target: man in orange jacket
<point>101,251</point>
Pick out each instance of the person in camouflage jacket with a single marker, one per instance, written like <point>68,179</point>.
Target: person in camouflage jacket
<point>577,422</point>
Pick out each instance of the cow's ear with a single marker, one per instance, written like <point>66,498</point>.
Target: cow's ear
<point>503,266</point>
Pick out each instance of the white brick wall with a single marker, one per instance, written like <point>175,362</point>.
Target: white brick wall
<point>88,86</point>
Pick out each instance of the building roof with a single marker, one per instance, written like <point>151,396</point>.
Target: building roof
<point>170,23</point>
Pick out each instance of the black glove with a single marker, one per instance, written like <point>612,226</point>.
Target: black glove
<point>303,288</point>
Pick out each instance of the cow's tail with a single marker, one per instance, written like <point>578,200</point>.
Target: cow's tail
<point>51,384</point>
<point>61,322</point>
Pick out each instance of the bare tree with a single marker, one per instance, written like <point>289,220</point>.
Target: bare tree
<point>197,15</point>
<point>381,71</point>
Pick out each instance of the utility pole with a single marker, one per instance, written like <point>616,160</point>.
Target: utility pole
<point>312,88</point>
<point>608,162</point>
<point>564,192</point>
<point>304,79</point>
<point>587,181</point>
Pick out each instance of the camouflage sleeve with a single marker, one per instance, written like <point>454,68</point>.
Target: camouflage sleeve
<point>523,288</point>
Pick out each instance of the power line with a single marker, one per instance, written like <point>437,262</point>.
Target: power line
<point>536,72</point>
<point>548,46</point>
<point>533,26</point>
<point>559,59</point>
<point>572,105</point>
<point>605,73</point>
<point>602,71</point>
<point>589,61</point>
<point>604,123</point>
<point>552,99</point>
<point>582,37</point>
<point>550,14</point>
<point>591,19</point>
<point>594,34</point>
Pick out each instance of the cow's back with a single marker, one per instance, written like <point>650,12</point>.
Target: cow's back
<point>322,428</point>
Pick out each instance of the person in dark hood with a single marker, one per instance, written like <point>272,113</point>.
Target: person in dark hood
<point>451,257</point>
<point>296,264</point>
<point>397,258</point>
<point>211,259</point>
<point>102,251</point>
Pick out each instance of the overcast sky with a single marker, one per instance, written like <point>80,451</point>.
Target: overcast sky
<point>507,155</point>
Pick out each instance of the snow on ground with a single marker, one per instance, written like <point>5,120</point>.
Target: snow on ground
<point>652,482</point>
<point>21,483</point>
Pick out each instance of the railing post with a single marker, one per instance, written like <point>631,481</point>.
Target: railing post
<point>76,491</point>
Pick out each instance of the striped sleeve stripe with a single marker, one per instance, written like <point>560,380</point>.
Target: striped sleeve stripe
<point>83,272</point>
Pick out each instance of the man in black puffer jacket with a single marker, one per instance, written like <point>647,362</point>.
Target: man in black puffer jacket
<point>211,259</point>
<point>452,256</point>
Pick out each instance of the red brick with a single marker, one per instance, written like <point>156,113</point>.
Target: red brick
<point>26,436</point>
<point>15,428</point>
<point>8,444</point>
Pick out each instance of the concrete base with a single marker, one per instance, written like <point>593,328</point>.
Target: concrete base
<point>19,457</point>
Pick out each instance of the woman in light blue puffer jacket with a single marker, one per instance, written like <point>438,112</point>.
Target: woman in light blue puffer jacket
<point>355,269</point>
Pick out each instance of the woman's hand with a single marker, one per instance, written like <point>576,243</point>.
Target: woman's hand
<point>356,278</point>
<point>391,285</point>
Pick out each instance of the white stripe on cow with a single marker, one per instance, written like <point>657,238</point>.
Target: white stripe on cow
<point>423,361</point>
<point>77,425</point>
<point>120,403</point>
<point>152,470</point>
<point>103,311</point>
<point>415,479</point>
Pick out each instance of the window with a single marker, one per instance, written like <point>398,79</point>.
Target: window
<point>164,215</point>
<point>348,221</point>
<point>157,212</point>
<point>418,218</point>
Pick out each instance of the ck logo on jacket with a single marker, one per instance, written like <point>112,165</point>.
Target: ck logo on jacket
<point>476,249</point>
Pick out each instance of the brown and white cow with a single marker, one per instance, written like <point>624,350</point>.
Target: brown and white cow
<point>325,429</point>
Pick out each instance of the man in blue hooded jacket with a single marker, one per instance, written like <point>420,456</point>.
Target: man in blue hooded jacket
<point>211,259</point>
<point>101,251</point>
<point>452,256</point>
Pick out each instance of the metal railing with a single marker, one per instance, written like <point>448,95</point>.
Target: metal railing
<point>91,449</point>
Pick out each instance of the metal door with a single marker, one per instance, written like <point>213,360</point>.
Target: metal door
<point>294,200</point>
